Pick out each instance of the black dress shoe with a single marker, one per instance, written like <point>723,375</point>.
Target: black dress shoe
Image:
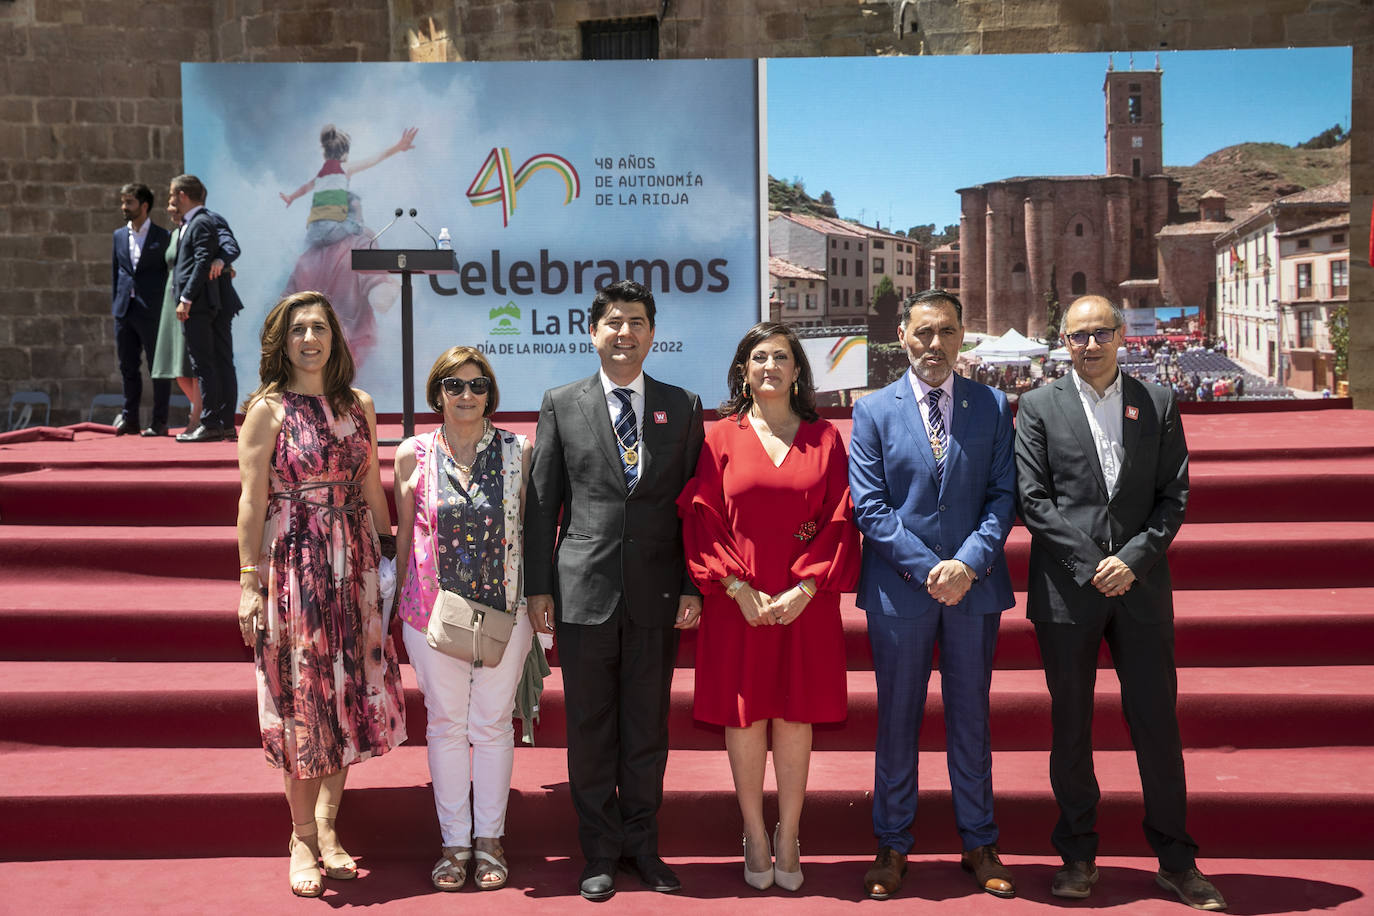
<point>598,880</point>
<point>1075,880</point>
<point>201,434</point>
<point>123,426</point>
<point>652,870</point>
<point>1192,888</point>
<point>155,430</point>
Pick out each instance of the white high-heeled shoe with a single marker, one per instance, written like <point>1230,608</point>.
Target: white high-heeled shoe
<point>787,880</point>
<point>758,880</point>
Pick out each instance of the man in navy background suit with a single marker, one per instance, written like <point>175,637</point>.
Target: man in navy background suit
<point>139,276</point>
<point>1102,469</point>
<point>206,304</point>
<point>933,481</point>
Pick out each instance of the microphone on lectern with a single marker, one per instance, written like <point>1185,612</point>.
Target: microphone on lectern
<point>399,211</point>
<point>423,229</point>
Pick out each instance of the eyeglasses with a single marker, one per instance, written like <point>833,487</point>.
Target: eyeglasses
<point>454,386</point>
<point>1101,335</point>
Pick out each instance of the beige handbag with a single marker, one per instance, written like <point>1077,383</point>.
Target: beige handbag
<point>467,630</point>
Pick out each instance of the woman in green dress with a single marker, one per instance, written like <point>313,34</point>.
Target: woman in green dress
<point>169,358</point>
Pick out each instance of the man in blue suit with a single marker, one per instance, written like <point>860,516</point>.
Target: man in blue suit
<point>933,478</point>
<point>139,275</point>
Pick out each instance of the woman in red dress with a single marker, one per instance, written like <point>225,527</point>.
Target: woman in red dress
<point>770,539</point>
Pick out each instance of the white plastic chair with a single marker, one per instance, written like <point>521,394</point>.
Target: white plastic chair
<point>104,400</point>
<point>23,406</point>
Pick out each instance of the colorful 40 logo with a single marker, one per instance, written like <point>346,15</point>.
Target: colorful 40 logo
<point>496,182</point>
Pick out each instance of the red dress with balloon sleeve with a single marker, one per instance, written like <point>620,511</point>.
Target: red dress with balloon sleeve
<point>772,526</point>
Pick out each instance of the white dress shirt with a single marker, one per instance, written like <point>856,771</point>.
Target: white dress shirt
<point>137,238</point>
<point>1104,421</point>
<point>613,403</point>
<point>922,392</point>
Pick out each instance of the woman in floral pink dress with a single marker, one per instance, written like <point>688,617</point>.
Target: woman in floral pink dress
<point>312,508</point>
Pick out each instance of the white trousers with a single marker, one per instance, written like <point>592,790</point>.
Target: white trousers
<point>470,732</point>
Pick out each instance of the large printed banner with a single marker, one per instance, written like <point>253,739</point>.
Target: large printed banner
<point>552,179</point>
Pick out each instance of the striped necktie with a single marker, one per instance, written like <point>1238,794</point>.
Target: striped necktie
<point>939,439</point>
<point>627,437</point>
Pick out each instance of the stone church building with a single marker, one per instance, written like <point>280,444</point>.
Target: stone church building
<point>1028,241</point>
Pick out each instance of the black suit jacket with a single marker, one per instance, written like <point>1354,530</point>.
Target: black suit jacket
<point>205,237</point>
<point>612,542</point>
<point>141,288</point>
<point>1062,497</point>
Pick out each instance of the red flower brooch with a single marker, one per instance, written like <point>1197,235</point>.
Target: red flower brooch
<point>806,532</point>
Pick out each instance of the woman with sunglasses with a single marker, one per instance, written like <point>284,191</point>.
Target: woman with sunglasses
<point>459,496</point>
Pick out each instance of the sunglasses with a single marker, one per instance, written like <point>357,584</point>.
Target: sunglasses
<point>1101,335</point>
<point>454,386</point>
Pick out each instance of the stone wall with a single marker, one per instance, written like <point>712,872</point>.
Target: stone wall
<point>90,99</point>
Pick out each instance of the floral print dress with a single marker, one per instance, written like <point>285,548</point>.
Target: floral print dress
<point>329,686</point>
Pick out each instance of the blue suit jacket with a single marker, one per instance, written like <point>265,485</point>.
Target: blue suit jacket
<point>909,521</point>
<point>141,288</point>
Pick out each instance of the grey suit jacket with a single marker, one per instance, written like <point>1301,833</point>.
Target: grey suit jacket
<point>612,542</point>
<point>1062,497</point>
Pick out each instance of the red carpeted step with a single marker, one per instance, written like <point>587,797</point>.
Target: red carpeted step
<point>399,886</point>
<point>163,704</point>
<point>1250,491</point>
<point>151,618</point>
<point>70,803</point>
<point>1281,490</point>
<point>1262,555</point>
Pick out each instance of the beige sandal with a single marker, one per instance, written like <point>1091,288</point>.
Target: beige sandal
<point>492,870</point>
<point>338,864</point>
<point>305,869</point>
<point>453,866</point>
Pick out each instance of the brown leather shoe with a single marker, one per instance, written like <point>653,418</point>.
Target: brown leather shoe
<point>988,871</point>
<point>1075,879</point>
<point>1192,888</point>
<point>884,879</point>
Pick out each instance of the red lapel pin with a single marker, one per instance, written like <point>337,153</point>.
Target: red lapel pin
<point>1132,413</point>
<point>660,416</point>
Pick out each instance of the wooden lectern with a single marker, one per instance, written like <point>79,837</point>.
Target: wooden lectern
<point>406,261</point>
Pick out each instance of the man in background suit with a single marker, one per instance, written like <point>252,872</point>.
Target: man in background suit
<point>933,482</point>
<point>1102,470</point>
<point>611,454</point>
<point>206,304</point>
<point>139,276</point>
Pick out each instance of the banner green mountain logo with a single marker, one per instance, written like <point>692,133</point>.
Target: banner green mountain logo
<point>505,317</point>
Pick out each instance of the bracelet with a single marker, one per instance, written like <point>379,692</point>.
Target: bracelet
<point>808,592</point>
<point>733,590</point>
<point>247,569</point>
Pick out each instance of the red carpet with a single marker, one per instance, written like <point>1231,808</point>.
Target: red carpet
<point>129,731</point>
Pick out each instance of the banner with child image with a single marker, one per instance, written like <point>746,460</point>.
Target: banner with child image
<point>550,179</point>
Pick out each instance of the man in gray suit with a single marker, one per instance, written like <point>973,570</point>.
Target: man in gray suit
<point>604,562</point>
<point>1102,484</point>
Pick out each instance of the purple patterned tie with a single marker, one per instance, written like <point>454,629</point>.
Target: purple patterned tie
<point>939,440</point>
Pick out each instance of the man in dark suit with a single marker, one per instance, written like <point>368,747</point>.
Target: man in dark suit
<point>933,482</point>
<point>604,561</point>
<point>206,304</point>
<point>139,277</point>
<point>1102,484</point>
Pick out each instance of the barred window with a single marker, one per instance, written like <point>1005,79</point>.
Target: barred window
<point>620,39</point>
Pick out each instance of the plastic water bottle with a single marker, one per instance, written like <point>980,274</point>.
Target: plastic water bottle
<point>445,241</point>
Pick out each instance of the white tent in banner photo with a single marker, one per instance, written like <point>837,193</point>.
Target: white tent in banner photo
<point>1012,346</point>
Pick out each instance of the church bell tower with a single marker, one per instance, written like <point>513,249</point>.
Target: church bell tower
<point>1135,125</point>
